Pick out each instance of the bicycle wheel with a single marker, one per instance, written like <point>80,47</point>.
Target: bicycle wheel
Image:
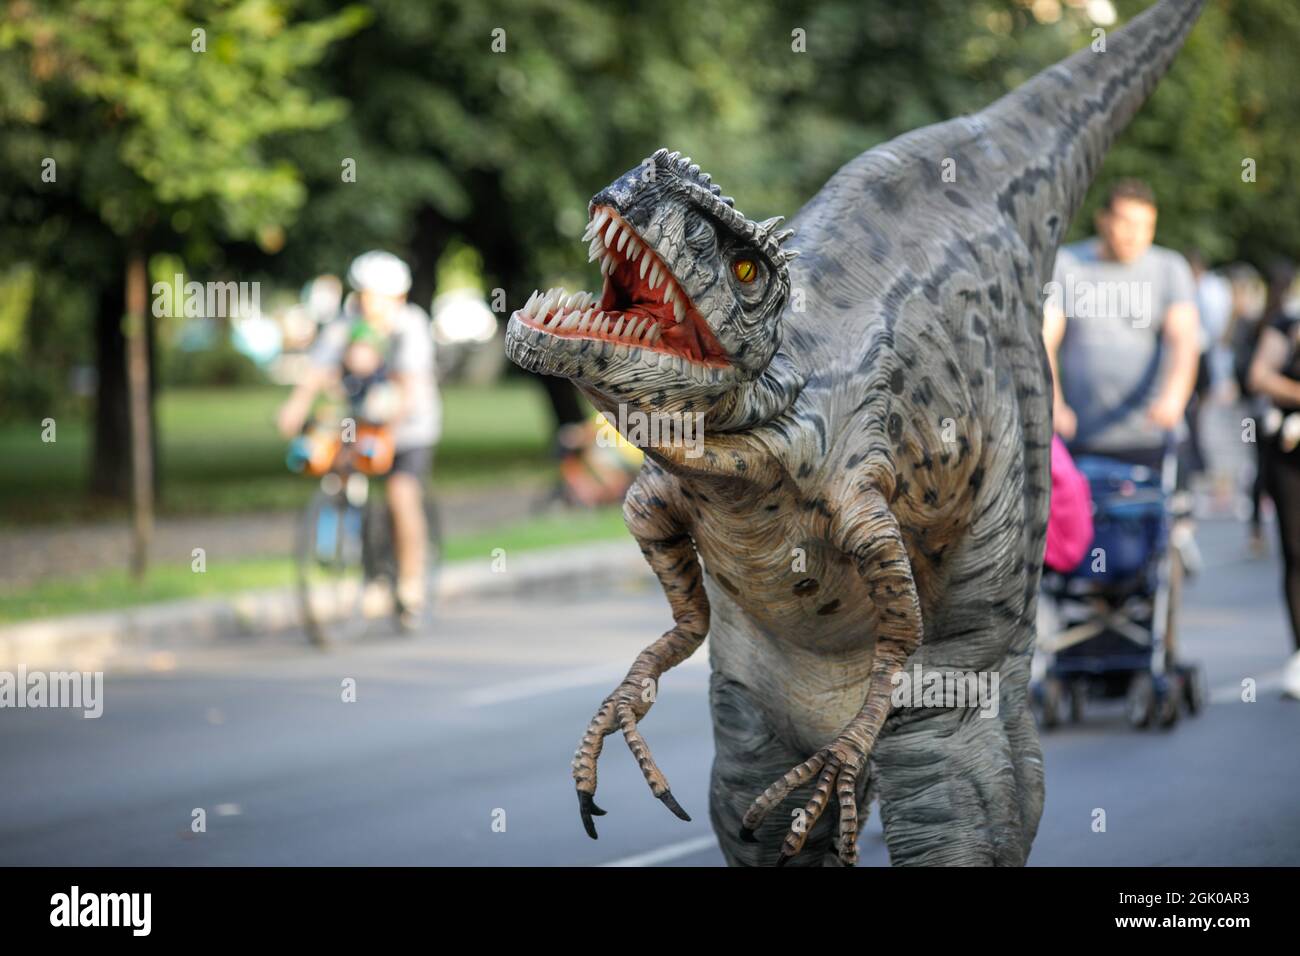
<point>332,591</point>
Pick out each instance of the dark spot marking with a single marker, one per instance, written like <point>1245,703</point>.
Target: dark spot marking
<point>806,586</point>
<point>895,426</point>
<point>725,583</point>
<point>830,608</point>
<point>896,382</point>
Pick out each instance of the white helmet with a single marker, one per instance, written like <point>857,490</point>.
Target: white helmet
<point>380,272</point>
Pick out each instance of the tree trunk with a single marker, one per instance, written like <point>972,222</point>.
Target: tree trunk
<point>138,388</point>
<point>110,464</point>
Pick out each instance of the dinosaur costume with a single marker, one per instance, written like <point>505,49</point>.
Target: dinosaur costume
<point>873,485</point>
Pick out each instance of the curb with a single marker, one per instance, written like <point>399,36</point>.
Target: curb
<point>197,621</point>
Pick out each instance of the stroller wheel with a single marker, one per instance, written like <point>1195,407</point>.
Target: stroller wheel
<point>1053,693</point>
<point>1078,696</point>
<point>1141,700</point>
<point>1169,699</point>
<point>1194,694</point>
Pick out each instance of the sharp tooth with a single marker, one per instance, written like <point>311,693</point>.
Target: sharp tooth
<point>611,232</point>
<point>571,321</point>
<point>598,221</point>
<point>602,321</point>
<point>528,306</point>
<point>618,327</point>
<point>586,320</point>
<point>633,249</point>
<point>595,250</point>
<point>679,310</point>
<point>623,238</point>
<point>669,291</point>
<point>607,264</point>
<point>639,328</point>
<point>652,336</point>
<point>654,276</point>
<point>645,263</point>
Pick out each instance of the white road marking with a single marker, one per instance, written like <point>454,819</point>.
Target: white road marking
<point>666,854</point>
<point>563,680</point>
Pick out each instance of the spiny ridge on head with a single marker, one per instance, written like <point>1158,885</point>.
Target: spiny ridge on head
<point>709,196</point>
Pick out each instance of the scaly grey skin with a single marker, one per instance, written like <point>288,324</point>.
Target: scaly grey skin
<point>874,482</point>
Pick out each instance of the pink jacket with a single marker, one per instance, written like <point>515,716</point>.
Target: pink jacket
<point>1069,523</point>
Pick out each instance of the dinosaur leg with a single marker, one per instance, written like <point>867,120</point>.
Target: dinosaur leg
<point>962,786</point>
<point>748,755</point>
<point>1026,751</point>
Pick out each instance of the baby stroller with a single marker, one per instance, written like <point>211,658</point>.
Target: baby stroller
<point>1117,610</point>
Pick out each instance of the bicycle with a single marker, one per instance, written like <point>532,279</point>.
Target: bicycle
<point>346,565</point>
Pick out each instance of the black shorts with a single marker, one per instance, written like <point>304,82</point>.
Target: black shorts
<point>413,461</point>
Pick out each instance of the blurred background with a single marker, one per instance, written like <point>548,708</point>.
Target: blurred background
<point>308,132</point>
<point>269,142</point>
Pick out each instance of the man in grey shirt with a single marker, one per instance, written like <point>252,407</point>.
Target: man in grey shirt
<point>1122,333</point>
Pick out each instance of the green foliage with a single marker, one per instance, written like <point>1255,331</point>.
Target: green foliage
<point>122,125</point>
<point>1230,96</point>
<point>223,365</point>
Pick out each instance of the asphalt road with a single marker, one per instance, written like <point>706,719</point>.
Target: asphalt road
<point>457,747</point>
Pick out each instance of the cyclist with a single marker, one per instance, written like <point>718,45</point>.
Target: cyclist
<point>399,331</point>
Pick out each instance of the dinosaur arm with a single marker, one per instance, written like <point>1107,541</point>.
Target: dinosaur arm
<point>669,550</point>
<point>868,532</point>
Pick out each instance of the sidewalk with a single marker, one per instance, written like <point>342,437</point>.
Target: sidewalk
<point>30,555</point>
<point>88,641</point>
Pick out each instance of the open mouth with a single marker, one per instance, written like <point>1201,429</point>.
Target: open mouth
<point>640,305</point>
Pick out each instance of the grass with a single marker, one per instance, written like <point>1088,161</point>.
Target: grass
<point>219,452</point>
<point>114,589</point>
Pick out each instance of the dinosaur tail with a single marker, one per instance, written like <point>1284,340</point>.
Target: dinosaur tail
<point>1056,128</point>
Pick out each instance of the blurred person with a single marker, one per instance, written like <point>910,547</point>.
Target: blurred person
<point>1122,334</point>
<point>1214,309</point>
<point>1250,318</point>
<point>389,335</point>
<point>1275,378</point>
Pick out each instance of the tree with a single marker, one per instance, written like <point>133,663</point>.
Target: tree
<point>133,127</point>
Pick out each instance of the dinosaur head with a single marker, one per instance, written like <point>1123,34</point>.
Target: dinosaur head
<point>691,301</point>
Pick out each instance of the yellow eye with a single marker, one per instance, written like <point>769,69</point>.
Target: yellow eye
<point>745,270</point>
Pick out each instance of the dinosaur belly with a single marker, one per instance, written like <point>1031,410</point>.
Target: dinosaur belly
<point>793,624</point>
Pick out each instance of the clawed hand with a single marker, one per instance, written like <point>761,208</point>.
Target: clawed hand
<point>839,765</point>
<point>620,711</point>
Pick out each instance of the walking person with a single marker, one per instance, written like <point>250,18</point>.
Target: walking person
<point>1122,334</point>
<point>1275,378</point>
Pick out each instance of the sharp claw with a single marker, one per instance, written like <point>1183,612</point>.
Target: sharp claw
<point>587,807</point>
<point>671,803</point>
<point>747,835</point>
